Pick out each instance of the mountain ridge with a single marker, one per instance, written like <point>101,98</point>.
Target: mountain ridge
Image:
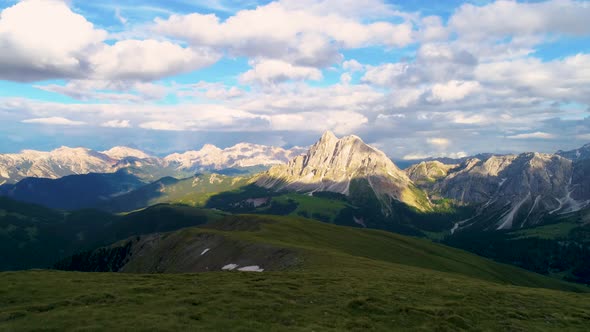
<point>64,161</point>
<point>339,165</point>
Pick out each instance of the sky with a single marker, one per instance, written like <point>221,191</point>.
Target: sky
<point>412,78</point>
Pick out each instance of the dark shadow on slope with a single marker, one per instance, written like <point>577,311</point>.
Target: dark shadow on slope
<point>559,248</point>
<point>362,209</point>
<point>32,236</point>
<point>73,191</point>
<point>139,198</point>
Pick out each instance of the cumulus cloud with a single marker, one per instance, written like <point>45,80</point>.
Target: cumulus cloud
<point>54,46</point>
<point>554,17</point>
<point>54,121</point>
<point>567,78</point>
<point>464,85</point>
<point>353,66</point>
<point>338,122</point>
<point>147,60</point>
<point>63,44</point>
<point>453,90</point>
<point>301,35</point>
<point>276,71</point>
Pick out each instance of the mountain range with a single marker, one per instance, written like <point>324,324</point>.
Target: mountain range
<point>68,161</point>
<point>495,205</point>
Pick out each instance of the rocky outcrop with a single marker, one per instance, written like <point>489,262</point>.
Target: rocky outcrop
<point>519,189</point>
<point>339,165</point>
<point>582,153</point>
<point>427,172</point>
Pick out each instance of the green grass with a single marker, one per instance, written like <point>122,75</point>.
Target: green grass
<point>332,246</point>
<point>313,206</point>
<point>553,231</point>
<point>358,299</point>
<point>348,279</point>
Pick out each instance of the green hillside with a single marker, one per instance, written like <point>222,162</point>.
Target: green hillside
<point>324,247</point>
<point>32,236</point>
<point>194,191</point>
<point>344,279</point>
<point>559,246</point>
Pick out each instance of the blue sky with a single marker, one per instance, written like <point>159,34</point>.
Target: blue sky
<point>414,78</point>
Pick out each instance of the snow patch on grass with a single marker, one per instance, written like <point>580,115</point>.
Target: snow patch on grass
<point>251,268</point>
<point>205,251</point>
<point>229,267</point>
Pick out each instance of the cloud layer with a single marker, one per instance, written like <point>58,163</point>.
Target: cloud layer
<point>484,78</point>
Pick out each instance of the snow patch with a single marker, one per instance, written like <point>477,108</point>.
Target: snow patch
<point>205,251</point>
<point>251,268</point>
<point>502,182</point>
<point>229,267</point>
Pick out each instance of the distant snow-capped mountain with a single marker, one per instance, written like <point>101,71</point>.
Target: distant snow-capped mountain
<point>67,161</point>
<point>239,155</point>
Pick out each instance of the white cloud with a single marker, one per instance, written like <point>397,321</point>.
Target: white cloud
<point>217,91</point>
<point>43,39</point>
<point>385,74</point>
<point>297,34</point>
<point>120,17</point>
<point>345,78</point>
<point>439,142</point>
<point>432,29</point>
<point>535,135</point>
<point>54,121</point>
<point>117,124</point>
<point>453,90</point>
<point>147,60</point>
<point>346,8</point>
<point>353,66</point>
<point>276,71</point>
<point>563,78</point>
<point>505,18</point>
<point>583,137</point>
<point>339,122</point>
<point>161,125</point>
<point>63,44</point>
<point>108,90</point>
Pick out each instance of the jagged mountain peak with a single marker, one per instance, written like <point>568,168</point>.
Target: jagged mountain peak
<point>328,136</point>
<point>341,165</point>
<point>120,152</point>
<point>210,148</point>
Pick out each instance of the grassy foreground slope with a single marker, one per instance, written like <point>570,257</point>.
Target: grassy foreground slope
<point>359,298</point>
<point>347,279</point>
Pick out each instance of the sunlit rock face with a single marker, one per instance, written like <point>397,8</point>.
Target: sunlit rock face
<point>339,165</point>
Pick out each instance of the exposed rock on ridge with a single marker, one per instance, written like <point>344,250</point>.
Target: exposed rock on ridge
<point>339,165</point>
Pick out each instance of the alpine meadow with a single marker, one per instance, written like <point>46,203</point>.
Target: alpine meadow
<point>294,165</point>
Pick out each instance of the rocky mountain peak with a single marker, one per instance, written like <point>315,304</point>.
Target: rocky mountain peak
<point>120,152</point>
<point>341,165</point>
<point>210,148</point>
